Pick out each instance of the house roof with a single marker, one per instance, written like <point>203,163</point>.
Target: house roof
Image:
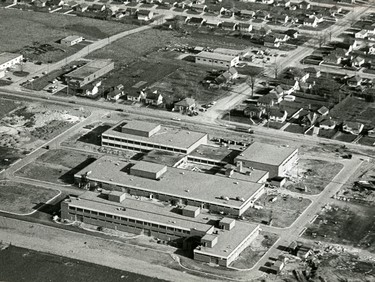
<point>276,112</point>
<point>187,102</point>
<point>323,110</point>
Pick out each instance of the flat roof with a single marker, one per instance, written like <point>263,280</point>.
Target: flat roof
<point>72,37</point>
<point>266,153</point>
<point>151,211</point>
<point>140,125</point>
<point>215,56</point>
<point>89,68</point>
<point>229,240</point>
<point>149,167</point>
<point>222,154</point>
<point>175,182</point>
<point>163,157</point>
<point>6,57</point>
<point>231,52</point>
<point>166,136</point>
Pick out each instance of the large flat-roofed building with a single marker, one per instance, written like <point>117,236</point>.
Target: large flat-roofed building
<point>146,136</point>
<point>176,186</point>
<point>88,73</point>
<point>216,59</point>
<point>8,60</point>
<point>220,240</point>
<point>225,245</point>
<point>277,160</point>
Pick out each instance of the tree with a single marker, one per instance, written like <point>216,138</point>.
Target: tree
<point>251,81</point>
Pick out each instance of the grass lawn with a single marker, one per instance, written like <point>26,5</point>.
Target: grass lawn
<point>368,141</point>
<point>345,137</point>
<point>56,166</point>
<point>295,128</point>
<point>347,224</point>
<point>23,28</point>
<point>327,133</point>
<point>255,251</point>
<point>8,156</point>
<point>23,198</point>
<point>7,106</point>
<point>284,211</point>
<point>314,174</point>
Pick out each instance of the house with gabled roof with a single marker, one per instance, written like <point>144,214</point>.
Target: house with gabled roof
<point>358,62</point>
<point>362,34</point>
<point>313,22</point>
<point>332,58</point>
<point>304,5</point>
<point>327,124</point>
<point>247,13</point>
<point>97,7</point>
<point>269,100</point>
<point>352,127</point>
<point>194,21</point>
<point>282,3</point>
<point>145,15</point>
<point>116,93</point>
<point>281,19</point>
<point>313,72</point>
<point>245,27</point>
<point>254,111</point>
<point>135,96</point>
<point>262,15</point>
<point>271,41</point>
<point>153,97</point>
<point>277,115</point>
<point>185,106</point>
<point>355,81</point>
<point>229,26</point>
<point>323,110</point>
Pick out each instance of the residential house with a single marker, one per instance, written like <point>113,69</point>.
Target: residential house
<point>195,21</point>
<point>358,62</point>
<point>229,26</point>
<point>307,118</point>
<point>301,76</point>
<point>319,18</point>
<point>370,29</point>
<point>153,98</point>
<point>185,106</point>
<point>90,90</point>
<point>312,22</point>
<point>277,115</point>
<point>145,15</point>
<point>254,111</point>
<point>355,81</point>
<point>313,72</point>
<point>247,14</point>
<point>120,13</point>
<point>212,22</point>
<point>56,3</point>
<point>362,34</point>
<point>226,12</point>
<point>282,37</point>
<point>265,30</point>
<point>335,10</point>
<point>269,100</point>
<point>281,19</point>
<point>352,127</point>
<point>292,33</point>
<point>97,8</point>
<point>83,7</point>
<point>245,27</point>
<point>271,42</point>
<point>198,8</point>
<point>262,15</point>
<point>135,96</point>
<point>327,124</point>
<point>304,5</point>
<point>282,3</point>
<point>371,50</point>
<point>332,58</point>
<point>116,93</point>
<point>323,110</point>
<point>40,3</point>
<point>371,133</point>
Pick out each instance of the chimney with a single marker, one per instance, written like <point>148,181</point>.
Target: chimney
<point>239,167</point>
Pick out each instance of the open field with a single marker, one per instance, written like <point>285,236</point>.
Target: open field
<point>315,175</point>
<point>23,28</point>
<point>19,264</point>
<point>344,223</point>
<point>23,198</point>
<point>255,251</point>
<point>282,212</point>
<point>56,166</point>
<point>6,106</point>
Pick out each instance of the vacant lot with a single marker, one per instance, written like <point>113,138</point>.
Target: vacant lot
<point>348,224</point>
<point>255,251</point>
<point>6,106</point>
<point>56,166</point>
<point>23,198</point>
<point>282,212</point>
<point>23,28</point>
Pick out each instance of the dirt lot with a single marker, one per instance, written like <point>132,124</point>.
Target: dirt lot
<point>283,211</point>
<point>312,174</point>
<point>23,28</point>
<point>22,198</point>
<point>344,223</point>
<point>255,251</point>
<point>356,193</point>
<point>6,106</point>
<point>56,166</point>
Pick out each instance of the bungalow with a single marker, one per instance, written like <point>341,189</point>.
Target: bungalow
<point>271,42</point>
<point>40,3</point>
<point>358,62</point>
<point>56,3</point>
<point>90,90</point>
<point>332,58</point>
<point>277,115</point>
<point>135,96</point>
<point>327,124</point>
<point>335,10</point>
<point>362,34</point>
<point>323,110</point>
<point>269,99</point>
<point>254,111</point>
<point>245,27</point>
<point>247,14</point>
<point>226,12</point>
<point>265,30</point>
<point>319,18</point>
<point>212,22</point>
<point>371,133</point>
<point>292,33</point>
<point>352,127</point>
<point>313,72</point>
<point>304,5</point>
<point>282,19</point>
<point>153,98</point>
<point>282,3</point>
<point>301,76</point>
<point>116,93</point>
<point>262,15</point>
<point>120,13</point>
<point>195,21</point>
<point>185,106</point>
<point>83,7</point>
<point>227,76</point>
<point>313,22</point>
<point>281,37</point>
<point>198,8</point>
<point>229,26</point>
<point>370,29</point>
<point>355,81</point>
<point>145,15</point>
<point>97,7</point>
<point>307,118</point>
